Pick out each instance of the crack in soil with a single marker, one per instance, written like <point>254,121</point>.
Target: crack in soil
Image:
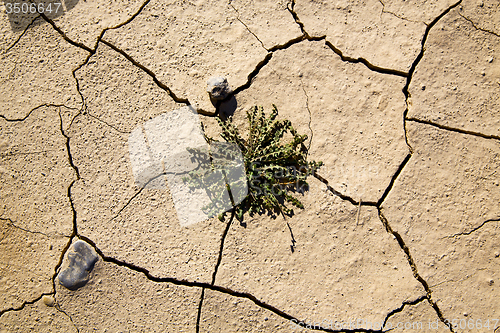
<point>250,77</point>
<point>413,266</point>
<point>366,62</point>
<point>401,308</point>
<point>83,109</point>
<point>74,214</point>
<point>478,28</point>
<point>12,224</point>
<point>422,49</point>
<point>216,268</point>
<point>34,109</point>
<point>66,38</point>
<point>108,124</point>
<point>58,308</point>
<point>22,34</point>
<point>250,31</point>
<point>71,237</point>
<point>101,34</point>
<point>291,8</point>
<point>362,60</point>
<point>70,157</point>
<point>310,116</point>
<point>149,72</point>
<point>253,74</point>
<point>205,285</point>
<point>343,196</point>
<point>382,218</point>
<point>466,233</point>
<point>396,15</point>
<point>23,305</point>
<point>452,129</point>
<point>393,179</point>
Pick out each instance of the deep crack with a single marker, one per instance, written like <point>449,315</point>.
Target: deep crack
<point>402,307</point>
<point>413,266</point>
<point>216,268</point>
<point>382,218</point>
<point>34,109</point>
<point>291,8</point>
<point>206,285</point>
<point>73,210</point>
<point>250,78</point>
<point>68,148</point>
<point>393,179</point>
<point>310,117</point>
<point>422,49</point>
<point>149,72</point>
<point>253,74</point>
<point>365,62</point>
<point>66,38</point>
<point>23,305</point>
<point>343,196</point>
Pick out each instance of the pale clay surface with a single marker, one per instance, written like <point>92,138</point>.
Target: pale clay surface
<point>421,248</point>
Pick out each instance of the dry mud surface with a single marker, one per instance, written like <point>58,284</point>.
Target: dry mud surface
<point>400,231</point>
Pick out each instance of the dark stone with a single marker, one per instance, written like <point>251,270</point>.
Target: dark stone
<point>218,88</point>
<point>82,258</point>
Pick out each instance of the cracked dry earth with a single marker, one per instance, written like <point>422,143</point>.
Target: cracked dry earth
<point>401,226</point>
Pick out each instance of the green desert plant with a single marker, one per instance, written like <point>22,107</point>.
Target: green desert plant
<point>275,164</point>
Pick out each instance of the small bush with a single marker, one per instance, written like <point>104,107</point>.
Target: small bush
<point>275,166</point>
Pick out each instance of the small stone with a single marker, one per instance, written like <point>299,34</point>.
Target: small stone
<point>490,282</point>
<point>82,258</point>
<point>483,73</point>
<point>48,300</point>
<point>497,254</point>
<point>490,60</point>
<point>218,88</point>
<point>465,314</point>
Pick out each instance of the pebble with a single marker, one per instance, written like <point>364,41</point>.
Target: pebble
<point>82,258</point>
<point>218,88</point>
<point>48,300</point>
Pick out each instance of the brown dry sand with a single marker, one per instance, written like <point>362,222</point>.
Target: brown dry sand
<point>399,232</point>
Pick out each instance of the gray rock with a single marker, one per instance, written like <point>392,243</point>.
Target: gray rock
<point>218,88</point>
<point>82,258</point>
